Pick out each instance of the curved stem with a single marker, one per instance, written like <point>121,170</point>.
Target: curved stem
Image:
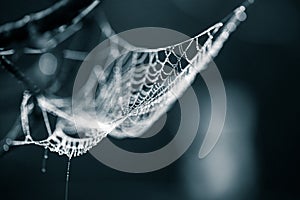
<point>64,12</point>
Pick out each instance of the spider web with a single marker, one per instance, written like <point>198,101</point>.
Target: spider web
<point>127,95</point>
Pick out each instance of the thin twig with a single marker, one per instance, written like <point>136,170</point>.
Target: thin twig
<point>62,13</point>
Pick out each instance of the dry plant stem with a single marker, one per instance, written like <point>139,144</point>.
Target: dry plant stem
<point>64,12</point>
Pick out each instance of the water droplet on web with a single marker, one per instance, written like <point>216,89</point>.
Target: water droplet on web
<point>5,147</point>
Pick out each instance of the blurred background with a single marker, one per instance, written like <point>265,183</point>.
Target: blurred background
<point>256,156</point>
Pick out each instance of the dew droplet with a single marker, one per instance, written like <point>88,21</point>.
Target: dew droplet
<point>5,147</point>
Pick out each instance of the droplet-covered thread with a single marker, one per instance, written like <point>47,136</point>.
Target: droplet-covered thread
<point>132,92</point>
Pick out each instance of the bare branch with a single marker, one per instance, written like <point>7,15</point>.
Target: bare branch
<point>60,15</point>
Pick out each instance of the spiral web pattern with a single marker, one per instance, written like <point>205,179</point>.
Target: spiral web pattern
<point>127,95</point>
